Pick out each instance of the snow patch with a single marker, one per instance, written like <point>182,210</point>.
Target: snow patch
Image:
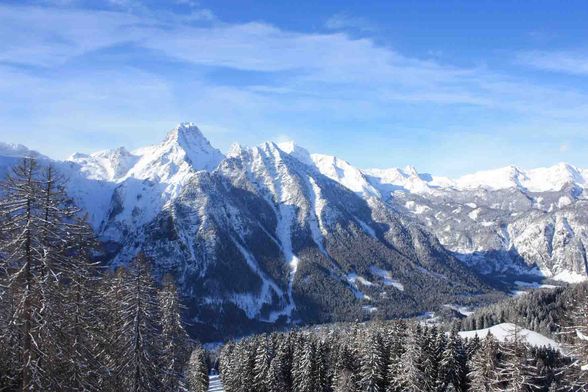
<point>386,277</point>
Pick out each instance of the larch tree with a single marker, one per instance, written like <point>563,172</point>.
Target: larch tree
<point>176,343</point>
<point>137,363</point>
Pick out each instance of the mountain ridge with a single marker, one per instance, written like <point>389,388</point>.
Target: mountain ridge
<point>273,235</point>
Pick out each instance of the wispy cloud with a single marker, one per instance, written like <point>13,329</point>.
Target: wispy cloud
<point>575,63</point>
<point>343,21</point>
<point>65,70</point>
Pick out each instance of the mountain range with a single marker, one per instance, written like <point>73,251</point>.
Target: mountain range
<point>272,235</point>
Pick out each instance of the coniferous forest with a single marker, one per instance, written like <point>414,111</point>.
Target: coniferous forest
<point>68,325</point>
<point>396,356</point>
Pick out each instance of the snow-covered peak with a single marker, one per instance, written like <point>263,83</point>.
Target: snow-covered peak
<point>186,142</point>
<point>545,179</point>
<point>18,151</point>
<point>344,173</point>
<point>552,178</point>
<point>107,165</point>
<point>407,179</point>
<point>184,149</point>
<point>502,178</point>
<point>556,177</point>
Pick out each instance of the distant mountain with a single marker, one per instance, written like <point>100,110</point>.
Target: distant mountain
<point>273,235</point>
<point>506,221</point>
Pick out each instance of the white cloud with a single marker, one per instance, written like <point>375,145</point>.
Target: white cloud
<point>575,63</point>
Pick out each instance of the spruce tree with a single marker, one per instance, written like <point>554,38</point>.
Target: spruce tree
<point>453,363</point>
<point>410,376</point>
<point>303,368</point>
<point>262,360</point>
<point>372,364</point>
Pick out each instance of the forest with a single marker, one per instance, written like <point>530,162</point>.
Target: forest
<point>397,356</point>
<point>66,324</point>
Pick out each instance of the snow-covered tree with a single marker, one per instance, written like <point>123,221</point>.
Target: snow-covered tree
<point>410,376</point>
<point>276,376</point>
<point>483,375</point>
<point>303,368</point>
<point>516,372</point>
<point>262,360</point>
<point>41,247</point>
<point>197,371</point>
<point>137,363</point>
<point>344,378</point>
<point>453,363</point>
<point>175,341</point>
<point>372,368</point>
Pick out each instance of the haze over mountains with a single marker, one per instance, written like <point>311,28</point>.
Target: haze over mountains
<point>273,234</point>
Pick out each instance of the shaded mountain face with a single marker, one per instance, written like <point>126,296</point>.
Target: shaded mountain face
<point>272,235</point>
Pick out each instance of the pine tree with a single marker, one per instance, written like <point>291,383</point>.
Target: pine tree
<point>323,382</point>
<point>276,374</point>
<point>344,379</point>
<point>410,376</point>
<point>303,369</point>
<point>197,372</point>
<point>574,334</point>
<point>262,360</point>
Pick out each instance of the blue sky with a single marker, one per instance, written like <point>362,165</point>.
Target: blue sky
<point>447,86</point>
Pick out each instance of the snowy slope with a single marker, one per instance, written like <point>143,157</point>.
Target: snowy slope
<point>504,332</point>
<point>334,168</point>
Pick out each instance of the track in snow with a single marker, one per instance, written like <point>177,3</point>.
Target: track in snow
<point>215,384</point>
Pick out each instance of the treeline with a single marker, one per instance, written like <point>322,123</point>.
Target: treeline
<point>393,357</point>
<point>67,326</point>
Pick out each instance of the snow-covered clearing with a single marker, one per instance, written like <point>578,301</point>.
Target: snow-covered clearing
<point>505,331</point>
